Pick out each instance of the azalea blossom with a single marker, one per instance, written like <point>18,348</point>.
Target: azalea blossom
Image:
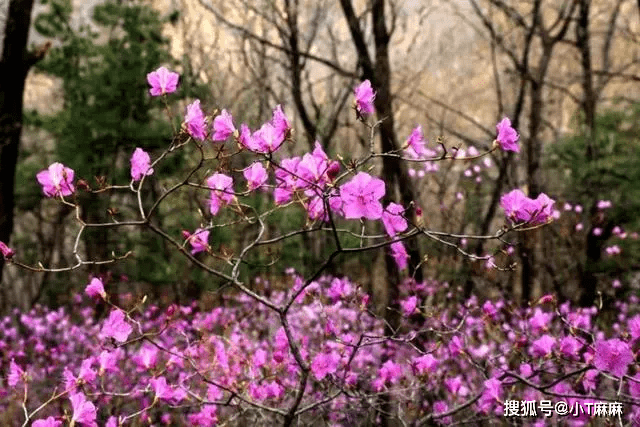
<point>409,305</point>
<point>194,121</point>
<point>108,362</point>
<point>199,240</point>
<point>6,251</point>
<point>270,137</point>
<point>95,288</point>
<point>57,180</point>
<point>84,412</point>
<point>116,327</point>
<point>424,364</point>
<point>400,255</point>
<point>393,220</point>
<point>162,81</point>
<point>507,136</point>
<point>520,208</point>
<point>361,197</point>
<point>140,164</point>
<point>221,191</point>
<point>364,99</point>
<point>280,122</point>
<point>16,374</point>
<point>256,176</point>
<point>161,389</point>
<point>543,346</point>
<point>267,139</point>
<point>324,364</point>
<point>208,416</point>
<point>491,395</point>
<point>223,126</point>
<point>48,422</point>
<point>415,146</point>
<point>613,356</point>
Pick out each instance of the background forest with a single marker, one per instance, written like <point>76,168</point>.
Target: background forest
<point>564,72</point>
<point>321,323</point>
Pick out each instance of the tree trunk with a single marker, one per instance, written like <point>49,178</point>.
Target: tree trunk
<point>14,65</point>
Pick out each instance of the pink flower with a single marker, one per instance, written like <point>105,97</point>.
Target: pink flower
<point>267,139</point>
<point>199,240</point>
<point>540,320</point>
<point>514,204</point>
<point>589,380</point>
<point>161,389</point>
<point>194,120</point>
<point>57,180</point>
<point>221,191</point>
<point>87,373</point>
<point>634,386</point>
<point>95,288</point>
<point>256,176</point>
<point>49,422</point>
<point>634,327</point>
<point>570,347</point>
<point>84,412</point>
<point>393,220</point>
<point>208,416</point>
<point>542,209</point>
<point>441,407</point>
<point>399,254</point>
<point>364,99</point>
<point>613,250</point>
<point>507,136</point>
<point>245,139</point>
<point>280,122</point>
<point>543,346</point>
<point>415,144</point>
<point>491,395</point>
<point>424,364</point>
<point>140,164</point>
<point>315,209</point>
<point>604,204</point>
<point>324,364</point>
<point>162,81</point>
<point>116,327</point>
<point>7,252</point>
<point>390,372</point>
<point>223,126</point>
<point>361,197</point>
<point>147,356</point>
<point>314,168</point>
<point>107,362</point>
<point>259,358</point>
<point>520,208</point>
<point>282,196</point>
<point>613,356</point>
<point>409,305</point>
<point>16,374</point>
<point>490,310</point>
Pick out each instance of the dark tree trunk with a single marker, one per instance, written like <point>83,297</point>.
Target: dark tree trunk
<point>588,95</point>
<point>393,170</point>
<point>14,65</point>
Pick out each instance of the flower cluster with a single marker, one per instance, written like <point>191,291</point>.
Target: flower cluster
<point>492,351</point>
<point>308,344</point>
<point>522,209</point>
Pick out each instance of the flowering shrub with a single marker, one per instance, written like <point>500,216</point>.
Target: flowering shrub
<point>234,363</point>
<point>306,349</point>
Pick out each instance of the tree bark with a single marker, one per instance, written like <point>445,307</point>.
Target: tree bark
<point>14,66</point>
